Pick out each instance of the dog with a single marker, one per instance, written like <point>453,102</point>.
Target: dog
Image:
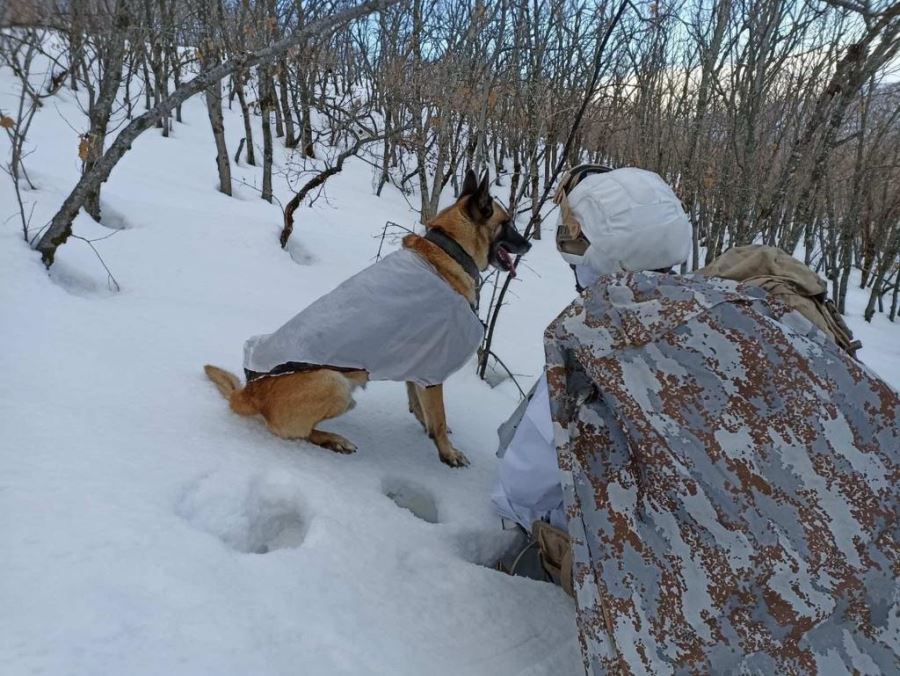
<point>460,242</point>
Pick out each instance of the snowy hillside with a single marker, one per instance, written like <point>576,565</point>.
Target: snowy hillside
<point>148,530</point>
<point>135,504</point>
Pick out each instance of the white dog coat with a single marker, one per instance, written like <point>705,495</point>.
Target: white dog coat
<point>397,319</point>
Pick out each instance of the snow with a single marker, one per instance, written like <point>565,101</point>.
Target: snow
<point>136,507</point>
<point>148,530</point>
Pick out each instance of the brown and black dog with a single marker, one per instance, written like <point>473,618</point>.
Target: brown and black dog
<point>292,405</point>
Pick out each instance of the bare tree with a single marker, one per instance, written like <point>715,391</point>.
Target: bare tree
<point>60,226</point>
<point>210,57</point>
<point>18,51</point>
<point>107,43</point>
<point>767,134</point>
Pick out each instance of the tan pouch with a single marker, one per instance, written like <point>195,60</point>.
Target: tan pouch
<point>556,553</point>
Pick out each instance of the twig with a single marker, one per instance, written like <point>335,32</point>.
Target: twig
<point>509,373</point>
<point>109,274</point>
<point>259,190</point>
<point>389,224</point>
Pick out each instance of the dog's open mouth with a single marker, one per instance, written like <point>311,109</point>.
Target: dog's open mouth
<point>506,260</point>
<point>507,247</point>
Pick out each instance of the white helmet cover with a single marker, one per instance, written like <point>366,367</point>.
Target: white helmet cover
<point>633,220</point>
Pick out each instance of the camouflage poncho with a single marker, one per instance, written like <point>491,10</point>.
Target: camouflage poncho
<point>730,479</point>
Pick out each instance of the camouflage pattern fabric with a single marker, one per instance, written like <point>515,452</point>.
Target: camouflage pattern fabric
<point>730,478</point>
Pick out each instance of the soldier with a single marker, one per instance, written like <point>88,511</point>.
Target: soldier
<point>642,226</point>
<point>728,473</point>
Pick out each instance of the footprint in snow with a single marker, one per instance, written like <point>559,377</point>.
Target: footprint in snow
<point>479,546</point>
<point>300,254</point>
<point>411,496</point>
<point>253,515</point>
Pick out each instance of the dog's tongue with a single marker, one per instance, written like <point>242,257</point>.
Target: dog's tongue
<point>508,260</point>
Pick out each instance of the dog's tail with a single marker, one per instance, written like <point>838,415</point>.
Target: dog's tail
<point>231,389</point>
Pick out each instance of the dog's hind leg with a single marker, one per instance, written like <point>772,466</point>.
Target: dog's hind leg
<point>293,405</point>
<point>332,441</point>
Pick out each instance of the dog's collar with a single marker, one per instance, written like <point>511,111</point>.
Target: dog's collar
<point>452,248</point>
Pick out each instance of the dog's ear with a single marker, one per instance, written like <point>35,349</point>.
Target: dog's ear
<point>485,185</point>
<point>481,204</point>
<point>470,184</point>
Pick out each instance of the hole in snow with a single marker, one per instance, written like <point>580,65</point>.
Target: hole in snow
<point>112,218</point>
<point>258,517</point>
<point>283,532</point>
<point>84,281</point>
<point>488,546</point>
<point>413,497</point>
<point>522,558</point>
<point>299,253</point>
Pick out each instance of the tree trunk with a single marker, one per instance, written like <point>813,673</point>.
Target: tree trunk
<point>386,155</point>
<point>514,180</point>
<point>548,144</point>
<point>535,181</point>
<point>275,107</point>
<point>307,137</point>
<point>129,106</point>
<point>290,139</point>
<point>893,314</point>
<point>266,105</point>
<point>102,109</point>
<point>245,113</point>
<point>846,257</point>
<point>214,109</point>
<point>888,260</point>
<point>148,100</point>
<point>171,59</point>
<point>875,295</point>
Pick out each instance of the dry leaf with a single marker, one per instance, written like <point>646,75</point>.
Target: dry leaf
<point>7,122</point>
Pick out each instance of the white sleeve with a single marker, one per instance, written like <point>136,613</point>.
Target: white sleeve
<point>528,487</point>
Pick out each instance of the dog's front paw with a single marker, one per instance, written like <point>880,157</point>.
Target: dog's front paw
<point>454,458</point>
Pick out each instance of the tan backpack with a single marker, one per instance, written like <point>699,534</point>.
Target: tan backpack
<point>789,280</point>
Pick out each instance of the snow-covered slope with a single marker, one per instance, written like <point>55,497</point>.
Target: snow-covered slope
<point>134,505</point>
<point>148,530</point>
